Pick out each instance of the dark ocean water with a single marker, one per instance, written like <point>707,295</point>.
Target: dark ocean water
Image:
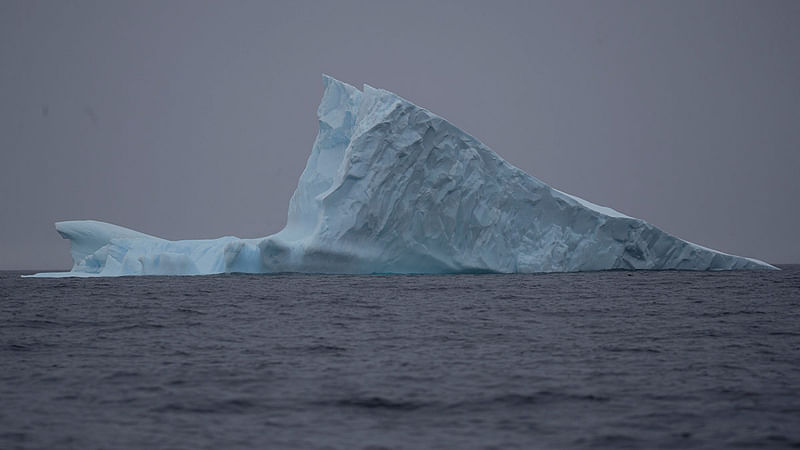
<point>584,360</point>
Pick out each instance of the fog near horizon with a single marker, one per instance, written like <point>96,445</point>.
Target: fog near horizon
<point>188,119</point>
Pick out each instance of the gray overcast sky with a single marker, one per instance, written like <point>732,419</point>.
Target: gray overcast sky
<point>190,119</point>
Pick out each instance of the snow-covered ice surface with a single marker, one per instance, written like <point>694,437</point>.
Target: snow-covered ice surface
<point>392,188</point>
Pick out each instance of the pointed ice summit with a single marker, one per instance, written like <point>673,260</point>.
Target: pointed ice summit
<point>392,188</point>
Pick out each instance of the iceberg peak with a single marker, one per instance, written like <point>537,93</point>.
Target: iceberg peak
<point>390,187</point>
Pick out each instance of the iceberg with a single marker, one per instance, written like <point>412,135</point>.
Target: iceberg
<point>392,188</point>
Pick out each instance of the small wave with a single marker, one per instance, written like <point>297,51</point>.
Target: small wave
<point>134,326</point>
<point>609,441</point>
<point>325,348</point>
<point>121,374</point>
<point>190,311</point>
<point>38,323</point>
<point>506,296</point>
<point>617,349</point>
<point>380,403</point>
<point>540,398</point>
<point>767,441</point>
<point>231,406</point>
<point>783,333</point>
<point>18,348</point>
<point>549,396</point>
<point>14,436</point>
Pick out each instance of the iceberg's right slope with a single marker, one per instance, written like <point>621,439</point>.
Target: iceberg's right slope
<point>392,188</point>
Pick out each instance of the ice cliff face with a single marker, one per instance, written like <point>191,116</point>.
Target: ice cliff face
<point>392,188</point>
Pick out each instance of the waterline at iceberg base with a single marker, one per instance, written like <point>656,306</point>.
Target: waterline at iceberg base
<point>392,188</point>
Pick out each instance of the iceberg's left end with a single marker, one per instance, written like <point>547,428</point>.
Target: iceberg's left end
<point>104,249</point>
<point>86,239</point>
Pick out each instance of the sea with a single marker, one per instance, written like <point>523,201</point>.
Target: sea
<point>613,360</point>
